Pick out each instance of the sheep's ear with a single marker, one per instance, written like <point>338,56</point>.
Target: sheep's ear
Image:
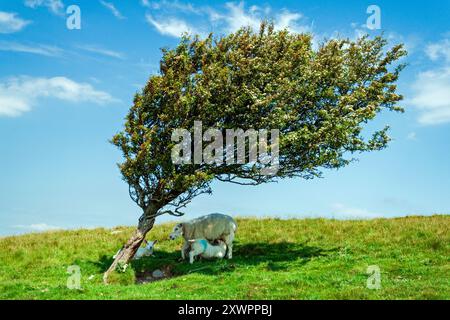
<point>155,241</point>
<point>145,241</point>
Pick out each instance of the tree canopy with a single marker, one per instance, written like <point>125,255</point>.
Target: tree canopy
<point>319,99</point>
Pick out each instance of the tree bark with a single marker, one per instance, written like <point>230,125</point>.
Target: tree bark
<point>128,251</point>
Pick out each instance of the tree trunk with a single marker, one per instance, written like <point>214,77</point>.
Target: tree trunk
<point>128,251</point>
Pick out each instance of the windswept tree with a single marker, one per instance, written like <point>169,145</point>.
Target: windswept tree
<point>320,100</point>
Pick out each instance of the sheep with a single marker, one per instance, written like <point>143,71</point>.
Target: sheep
<point>201,247</point>
<point>145,251</point>
<point>211,227</point>
<point>142,252</point>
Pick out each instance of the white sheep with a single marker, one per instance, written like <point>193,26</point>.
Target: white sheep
<point>201,247</point>
<point>211,227</point>
<point>142,251</point>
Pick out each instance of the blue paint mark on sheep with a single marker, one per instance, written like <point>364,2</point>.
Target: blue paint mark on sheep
<point>204,244</point>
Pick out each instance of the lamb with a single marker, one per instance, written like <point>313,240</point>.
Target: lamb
<point>201,247</point>
<point>145,251</point>
<point>142,252</point>
<point>211,227</point>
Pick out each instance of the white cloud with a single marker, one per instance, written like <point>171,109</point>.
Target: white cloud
<point>55,6</point>
<point>12,106</point>
<point>439,50</point>
<point>102,51</point>
<point>37,227</point>
<point>10,22</point>
<point>344,211</point>
<point>110,6</point>
<point>50,51</point>
<point>289,20</point>
<point>18,95</point>
<point>431,88</point>
<point>237,16</point>
<point>432,96</point>
<point>173,27</point>
<point>234,16</point>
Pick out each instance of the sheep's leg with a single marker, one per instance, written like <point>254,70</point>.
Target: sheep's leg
<point>191,256</point>
<point>230,251</point>
<point>229,241</point>
<point>184,250</point>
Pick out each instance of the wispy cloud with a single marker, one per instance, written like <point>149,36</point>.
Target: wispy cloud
<point>102,51</point>
<point>431,96</point>
<point>431,88</point>
<point>172,5</point>
<point>441,49</point>
<point>55,6</point>
<point>110,6</point>
<point>237,16</point>
<point>291,21</point>
<point>44,50</point>
<point>10,22</point>
<point>344,211</point>
<point>229,18</point>
<point>18,95</point>
<point>37,227</point>
<point>171,26</point>
<point>53,51</point>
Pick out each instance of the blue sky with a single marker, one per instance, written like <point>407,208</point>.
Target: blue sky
<point>64,93</point>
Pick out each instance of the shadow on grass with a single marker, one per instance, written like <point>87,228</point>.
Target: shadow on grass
<point>274,256</point>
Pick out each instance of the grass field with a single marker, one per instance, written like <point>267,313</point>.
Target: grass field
<point>273,259</point>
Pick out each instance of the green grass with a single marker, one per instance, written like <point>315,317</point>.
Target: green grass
<point>273,259</point>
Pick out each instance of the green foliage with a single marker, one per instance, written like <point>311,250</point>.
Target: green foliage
<point>310,259</point>
<point>124,277</point>
<point>320,100</point>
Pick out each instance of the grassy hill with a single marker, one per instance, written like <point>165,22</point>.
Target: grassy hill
<point>273,259</point>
